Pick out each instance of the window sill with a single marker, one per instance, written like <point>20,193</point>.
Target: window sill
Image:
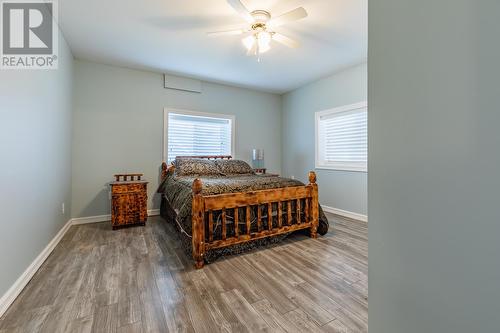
<point>342,168</point>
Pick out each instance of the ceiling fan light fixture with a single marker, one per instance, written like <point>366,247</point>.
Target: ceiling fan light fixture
<point>258,36</point>
<point>248,42</point>
<point>263,39</point>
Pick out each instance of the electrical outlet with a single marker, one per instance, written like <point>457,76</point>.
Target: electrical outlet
<point>62,208</point>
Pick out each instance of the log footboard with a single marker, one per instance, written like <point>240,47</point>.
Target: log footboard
<point>278,211</point>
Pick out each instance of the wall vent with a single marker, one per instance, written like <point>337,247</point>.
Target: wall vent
<point>182,83</point>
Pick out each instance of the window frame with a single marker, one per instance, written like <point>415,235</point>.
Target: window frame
<point>167,111</point>
<point>339,166</point>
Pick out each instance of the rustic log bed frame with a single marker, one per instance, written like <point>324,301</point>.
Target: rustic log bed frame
<point>206,204</point>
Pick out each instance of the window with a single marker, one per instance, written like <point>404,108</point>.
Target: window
<point>342,138</point>
<point>194,133</point>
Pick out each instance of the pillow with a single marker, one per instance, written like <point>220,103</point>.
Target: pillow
<point>195,166</point>
<point>228,167</point>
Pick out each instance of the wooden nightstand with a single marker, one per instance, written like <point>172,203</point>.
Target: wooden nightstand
<point>129,200</point>
<point>259,171</point>
<point>262,172</point>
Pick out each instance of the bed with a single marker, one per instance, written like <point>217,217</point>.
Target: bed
<point>220,206</point>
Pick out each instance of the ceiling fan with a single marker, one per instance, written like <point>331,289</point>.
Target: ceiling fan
<point>259,31</point>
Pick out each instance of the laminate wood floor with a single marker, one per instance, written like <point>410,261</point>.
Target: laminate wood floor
<point>139,280</point>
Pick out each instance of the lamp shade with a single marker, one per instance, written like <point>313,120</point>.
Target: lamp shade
<point>258,158</point>
<point>258,154</point>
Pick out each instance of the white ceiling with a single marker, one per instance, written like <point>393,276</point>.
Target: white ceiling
<point>170,36</point>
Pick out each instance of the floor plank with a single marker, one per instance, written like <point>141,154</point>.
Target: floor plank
<point>245,313</point>
<point>140,280</point>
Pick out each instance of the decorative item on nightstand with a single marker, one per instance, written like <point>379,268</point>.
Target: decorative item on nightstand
<point>258,161</point>
<point>129,200</point>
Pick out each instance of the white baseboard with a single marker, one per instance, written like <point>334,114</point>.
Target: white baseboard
<point>104,218</point>
<point>341,212</point>
<point>91,219</point>
<point>10,296</point>
<point>153,212</point>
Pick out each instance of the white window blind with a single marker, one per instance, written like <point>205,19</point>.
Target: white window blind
<point>193,135</point>
<point>342,138</point>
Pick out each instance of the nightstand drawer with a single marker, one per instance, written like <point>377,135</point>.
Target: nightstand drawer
<point>127,188</point>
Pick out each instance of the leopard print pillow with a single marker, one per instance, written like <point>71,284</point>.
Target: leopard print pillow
<point>229,167</point>
<point>195,166</point>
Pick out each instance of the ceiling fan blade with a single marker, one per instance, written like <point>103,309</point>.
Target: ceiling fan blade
<point>225,32</point>
<point>285,40</point>
<point>293,15</point>
<point>240,8</point>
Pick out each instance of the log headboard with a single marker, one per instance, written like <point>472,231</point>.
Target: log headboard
<point>165,168</point>
<point>208,157</point>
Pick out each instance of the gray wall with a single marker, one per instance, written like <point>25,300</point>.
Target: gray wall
<point>433,191</point>
<point>337,189</point>
<point>35,159</point>
<point>118,127</point>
